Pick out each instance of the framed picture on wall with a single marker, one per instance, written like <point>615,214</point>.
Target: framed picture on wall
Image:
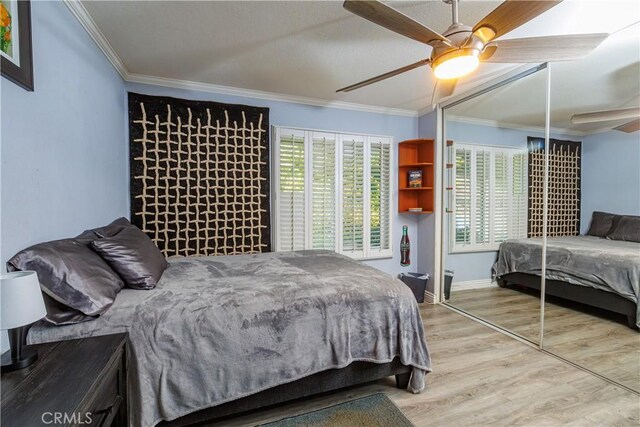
<point>15,42</point>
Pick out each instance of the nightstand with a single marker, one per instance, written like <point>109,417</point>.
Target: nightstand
<point>75,382</point>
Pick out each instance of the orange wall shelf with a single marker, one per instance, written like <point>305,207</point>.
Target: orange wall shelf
<point>416,154</point>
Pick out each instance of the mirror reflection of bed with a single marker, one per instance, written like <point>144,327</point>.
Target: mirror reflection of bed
<point>592,262</point>
<point>603,262</point>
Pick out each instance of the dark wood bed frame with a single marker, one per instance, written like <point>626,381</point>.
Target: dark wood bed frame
<point>580,294</point>
<point>322,382</point>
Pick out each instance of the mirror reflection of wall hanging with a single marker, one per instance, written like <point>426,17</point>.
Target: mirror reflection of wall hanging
<point>15,42</point>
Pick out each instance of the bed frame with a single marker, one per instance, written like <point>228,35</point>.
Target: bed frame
<point>322,382</point>
<point>580,294</point>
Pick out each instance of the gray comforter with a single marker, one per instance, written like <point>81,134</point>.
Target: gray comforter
<point>610,265</point>
<point>220,328</point>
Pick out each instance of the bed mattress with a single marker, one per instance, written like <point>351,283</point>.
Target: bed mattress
<point>220,328</point>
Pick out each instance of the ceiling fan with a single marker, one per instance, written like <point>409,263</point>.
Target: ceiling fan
<point>459,50</point>
<point>612,115</point>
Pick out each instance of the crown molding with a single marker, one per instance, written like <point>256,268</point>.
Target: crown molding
<point>507,125</point>
<point>87,22</point>
<point>81,14</point>
<point>271,96</point>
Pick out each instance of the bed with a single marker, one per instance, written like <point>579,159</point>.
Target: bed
<point>589,270</point>
<point>219,335</point>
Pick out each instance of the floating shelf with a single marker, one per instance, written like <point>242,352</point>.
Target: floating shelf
<point>416,213</point>
<point>415,165</point>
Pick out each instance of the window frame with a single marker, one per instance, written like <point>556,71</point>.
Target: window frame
<point>309,134</point>
<point>491,246</point>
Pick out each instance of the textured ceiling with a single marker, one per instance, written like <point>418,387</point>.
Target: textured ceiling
<point>310,49</point>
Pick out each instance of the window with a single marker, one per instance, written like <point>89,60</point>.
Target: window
<point>332,191</point>
<point>490,197</point>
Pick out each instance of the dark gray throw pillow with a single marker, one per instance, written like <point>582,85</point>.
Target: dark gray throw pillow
<point>627,228</point>
<point>602,223</point>
<point>105,231</point>
<point>133,255</point>
<point>71,274</point>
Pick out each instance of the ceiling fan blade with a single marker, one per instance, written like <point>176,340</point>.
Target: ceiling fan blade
<point>510,15</point>
<point>385,76</point>
<point>543,49</point>
<point>442,89</point>
<point>388,17</point>
<point>632,126</point>
<point>605,116</point>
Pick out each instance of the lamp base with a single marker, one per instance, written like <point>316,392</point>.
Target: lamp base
<point>26,358</point>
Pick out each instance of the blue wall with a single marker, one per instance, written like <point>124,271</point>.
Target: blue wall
<point>331,119</point>
<point>610,174</point>
<point>63,156</point>
<point>427,128</point>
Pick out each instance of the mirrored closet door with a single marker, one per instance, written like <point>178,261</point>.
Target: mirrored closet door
<point>593,221</point>
<point>492,223</point>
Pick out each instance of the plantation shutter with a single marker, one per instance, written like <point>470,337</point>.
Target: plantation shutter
<point>463,197</point>
<point>490,196</point>
<point>520,195</point>
<point>380,200</point>
<point>501,193</point>
<point>291,208</point>
<point>353,195</point>
<point>323,192</point>
<point>482,209</point>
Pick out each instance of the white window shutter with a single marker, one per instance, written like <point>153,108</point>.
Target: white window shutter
<point>501,192</point>
<point>380,197</point>
<point>323,191</point>
<point>291,190</point>
<point>490,197</point>
<point>520,195</point>
<point>482,211</point>
<point>353,196</point>
<point>462,208</point>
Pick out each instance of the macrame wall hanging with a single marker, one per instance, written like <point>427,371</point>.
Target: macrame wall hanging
<point>199,175</point>
<point>563,212</point>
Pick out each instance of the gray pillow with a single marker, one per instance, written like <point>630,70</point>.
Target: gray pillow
<point>106,231</point>
<point>71,274</point>
<point>133,255</point>
<point>627,228</point>
<point>602,223</point>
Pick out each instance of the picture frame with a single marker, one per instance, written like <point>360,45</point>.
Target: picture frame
<point>15,42</point>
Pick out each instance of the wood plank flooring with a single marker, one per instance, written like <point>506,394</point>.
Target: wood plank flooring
<point>589,337</point>
<point>484,378</point>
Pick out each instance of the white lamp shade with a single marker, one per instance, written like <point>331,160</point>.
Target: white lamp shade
<point>21,299</point>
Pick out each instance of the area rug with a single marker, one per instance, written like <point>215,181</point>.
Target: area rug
<point>376,410</point>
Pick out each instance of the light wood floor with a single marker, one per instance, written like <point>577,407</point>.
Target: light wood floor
<point>484,378</point>
<point>592,338</point>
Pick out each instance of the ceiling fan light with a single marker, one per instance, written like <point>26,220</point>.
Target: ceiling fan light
<point>456,64</point>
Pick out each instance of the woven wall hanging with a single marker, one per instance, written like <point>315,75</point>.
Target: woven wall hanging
<point>199,175</point>
<point>563,211</point>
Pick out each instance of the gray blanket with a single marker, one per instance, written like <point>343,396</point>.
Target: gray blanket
<point>220,328</point>
<point>610,265</point>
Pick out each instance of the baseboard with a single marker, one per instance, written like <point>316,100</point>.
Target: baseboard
<point>473,284</point>
<point>429,298</point>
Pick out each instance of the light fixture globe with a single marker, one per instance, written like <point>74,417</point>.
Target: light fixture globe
<point>456,63</point>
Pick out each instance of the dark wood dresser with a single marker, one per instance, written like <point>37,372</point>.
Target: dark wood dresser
<point>79,382</point>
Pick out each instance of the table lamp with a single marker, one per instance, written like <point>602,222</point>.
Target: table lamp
<point>22,304</point>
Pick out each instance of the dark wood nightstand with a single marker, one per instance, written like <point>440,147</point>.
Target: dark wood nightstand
<point>79,382</point>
